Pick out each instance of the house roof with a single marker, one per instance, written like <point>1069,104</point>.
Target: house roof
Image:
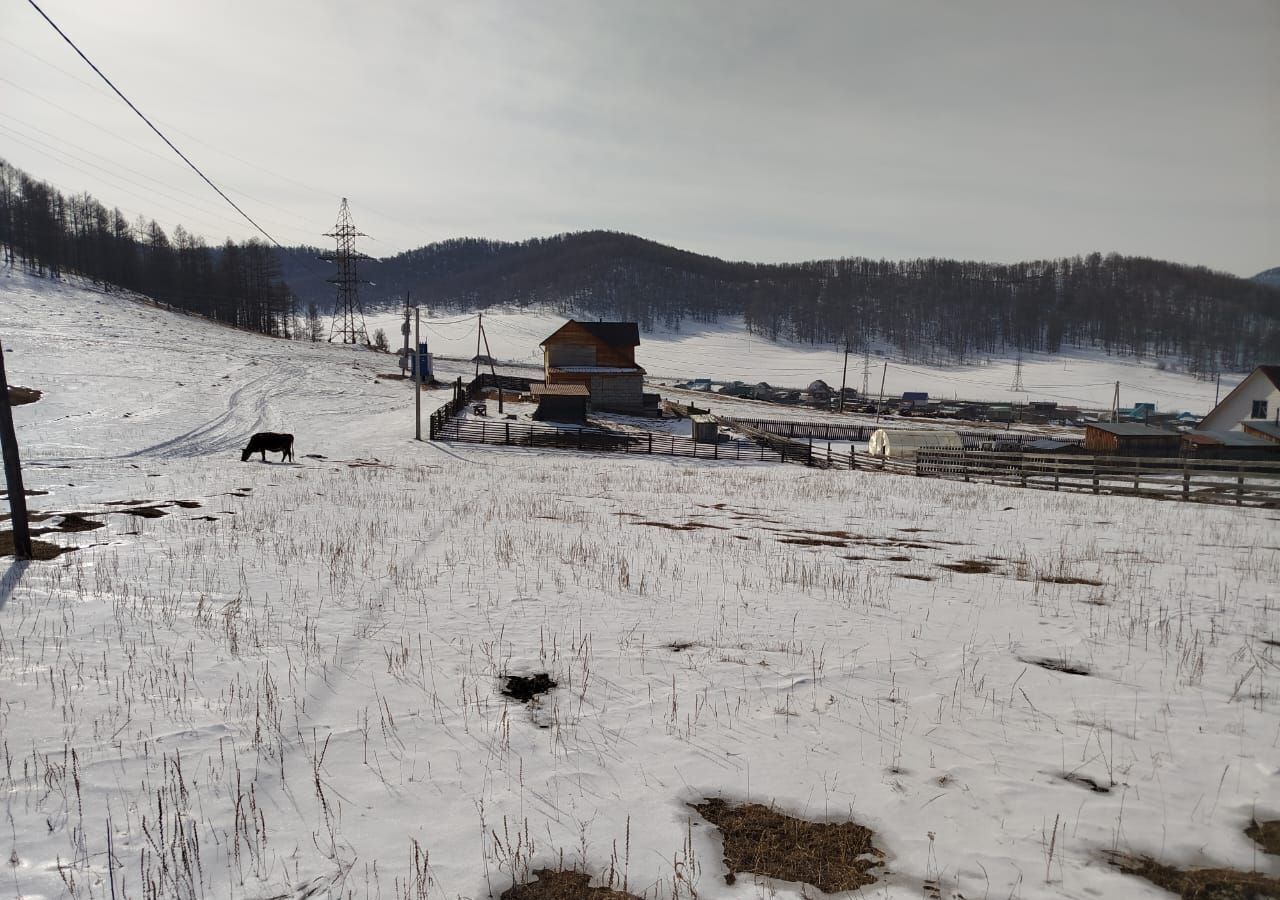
<point>612,334</point>
<point>599,370</point>
<point>1226,439</point>
<point>1131,429</point>
<point>1261,426</point>
<point>1272,373</point>
<point>559,390</point>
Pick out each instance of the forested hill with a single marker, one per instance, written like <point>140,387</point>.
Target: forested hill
<point>926,308</point>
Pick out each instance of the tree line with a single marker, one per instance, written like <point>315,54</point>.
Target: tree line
<point>933,310</point>
<point>51,234</point>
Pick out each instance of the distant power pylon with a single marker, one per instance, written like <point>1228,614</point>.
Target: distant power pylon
<point>1017,387</point>
<point>348,315</point>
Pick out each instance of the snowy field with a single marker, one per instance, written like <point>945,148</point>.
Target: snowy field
<point>726,351</point>
<point>289,684</point>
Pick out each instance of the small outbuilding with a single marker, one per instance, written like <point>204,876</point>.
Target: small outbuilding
<point>560,402</point>
<point>1130,439</point>
<point>705,429</point>
<point>902,443</point>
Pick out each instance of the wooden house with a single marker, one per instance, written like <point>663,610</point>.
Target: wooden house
<point>600,356</point>
<point>1256,399</point>
<point>1130,439</point>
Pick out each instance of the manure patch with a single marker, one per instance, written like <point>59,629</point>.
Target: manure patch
<point>758,840</point>
<point>562,884</point>
<point>527,688</point>
<point>1266,834</point>
<point>1198,884</point>
<point>1057,665</point>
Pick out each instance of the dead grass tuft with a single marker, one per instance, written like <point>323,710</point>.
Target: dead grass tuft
<point>915,577</point>
<point>1057,665</point>
<point>1068,579</point>
<point>1198,884</point>
<point>1086,781</point>
<point>1266,834</point>
<point>831,856</point>
<point>562,885</point>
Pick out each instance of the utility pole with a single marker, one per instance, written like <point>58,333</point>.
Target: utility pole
<point>479,333</point>
<point>13,472</point>
<point>1115,404</point>
<point>492,371</point>
<point>880,402</point>
<point>417,366</point>
<point>844,374</point>
<point>1217,389</point>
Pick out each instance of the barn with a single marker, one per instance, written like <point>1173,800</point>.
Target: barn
<point>600,356</point>
<point>560,402</point>
<point>902,443</point>
<point>1130,439</point>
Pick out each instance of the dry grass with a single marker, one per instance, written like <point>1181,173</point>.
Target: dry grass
<point>1199,884</point>
<point>562,885</point>
<point>1057,665</point>
<point>831,856</point>
<point>1068,579</point>
<point>1266,834</point>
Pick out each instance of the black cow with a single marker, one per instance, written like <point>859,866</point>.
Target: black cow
<point>269,440</point>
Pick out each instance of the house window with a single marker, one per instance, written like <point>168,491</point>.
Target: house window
<point>1259,409</point>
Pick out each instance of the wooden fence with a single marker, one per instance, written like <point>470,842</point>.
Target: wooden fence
<point>848,431</point>
<point>1206,481</point>
<point>521,434</point>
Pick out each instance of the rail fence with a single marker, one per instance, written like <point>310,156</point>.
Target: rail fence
<point>847,431</point>
<point>1246,483</point>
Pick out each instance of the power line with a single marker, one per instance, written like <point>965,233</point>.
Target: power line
<point>129,102</point>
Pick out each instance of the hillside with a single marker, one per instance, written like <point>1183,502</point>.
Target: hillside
<point>295,679</point>
<point>923,308</point>
<point>1271,277</point>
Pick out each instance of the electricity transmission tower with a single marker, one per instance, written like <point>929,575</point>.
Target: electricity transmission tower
<point>348,314</point>
<point>1017,387</point>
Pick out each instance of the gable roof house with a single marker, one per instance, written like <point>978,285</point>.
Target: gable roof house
<point>1256,399</point>
<point>601,356</point>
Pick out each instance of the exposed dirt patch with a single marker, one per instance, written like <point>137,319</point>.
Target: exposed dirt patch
<point>1068,579</point>
<point>204,518</point>
<point>681,526</point>
<point>41,550</point>
<point>1086,781</point>
<point>854,557</point>
<point>915,530</point>
<point>19,396</point>
<point>1198,884</point>
<point>145,512</point>
<point>126,503</point>
<point>915,577</point>
<point>812,542</point>
<point>188,504</point>
<point>831,856</point>
<point>680,646</point>
<point>562,885</point>
<point>73,522</point>
<point>969,567</point>
<point>1057,665</point>
<point>834,533</point>
<point>526,688</point>
<point>1266,834</point>
<point>1270,643</point>
<point>898,559</point>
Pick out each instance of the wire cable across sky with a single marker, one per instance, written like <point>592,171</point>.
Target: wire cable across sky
<point>158,132</point>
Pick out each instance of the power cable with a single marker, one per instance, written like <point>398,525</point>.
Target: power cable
<point>172,147</point>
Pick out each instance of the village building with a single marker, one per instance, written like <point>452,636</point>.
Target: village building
<point>1256,399</point>
<point>600,356</point>
<point>560,402</point>
<point>1130,439</point>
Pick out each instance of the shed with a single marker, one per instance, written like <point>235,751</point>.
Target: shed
<point>1130,439</point>
<point>1268,431</point>
<point>1229,445</point>
<point>902,443</point>
<point>915,397</point>
<point>705,429</point>
<point>560,402</point>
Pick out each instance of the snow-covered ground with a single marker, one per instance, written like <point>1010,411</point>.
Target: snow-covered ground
<point>726,351</point>
<point>292,689</point>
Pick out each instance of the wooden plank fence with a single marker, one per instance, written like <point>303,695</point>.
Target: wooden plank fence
<point>1245,483</point>
<point>848,431</point>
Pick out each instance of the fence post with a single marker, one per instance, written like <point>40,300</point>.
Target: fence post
<point>483,429</point>
<point>715,450</point>
<point>650,443</point>
<point>1240,485</point>
<point>579,438</point>
<point>1186,482</point>
<point>1095,476</point>
<point>507,425</point>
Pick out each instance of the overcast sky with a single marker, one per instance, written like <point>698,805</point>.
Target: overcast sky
<point>762,131</point>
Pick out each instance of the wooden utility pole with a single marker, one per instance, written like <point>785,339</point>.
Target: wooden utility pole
<point>1217,390</point>
<point>417,370</point>
<point>13,472</point>
<point>479,334</point>
<point>844,374</point>
<point>492,370</point>
<point>1115,404</point>
<point>880,402</point>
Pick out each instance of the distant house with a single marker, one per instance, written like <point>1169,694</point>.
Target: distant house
<point>1257,398</point>
<point>820,391</point>
<point>914,397</point>
<point>1130,439</point>
<point>600,356</point>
